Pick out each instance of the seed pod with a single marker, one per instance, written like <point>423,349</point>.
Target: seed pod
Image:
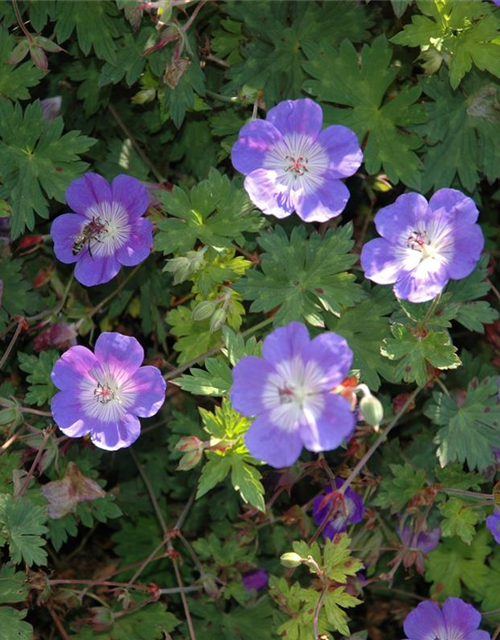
<point>371,410</point>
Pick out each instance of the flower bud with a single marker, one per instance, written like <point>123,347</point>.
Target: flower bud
<point>217,320</point>
<point>10,414</point>
<point>371,410</point>
<point>291,560</point>
<point>189,460</point>
<point>189,443</point>
<point>143,96</point>
<point>203,310</point>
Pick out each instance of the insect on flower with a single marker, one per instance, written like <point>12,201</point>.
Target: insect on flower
<point>91,231</point>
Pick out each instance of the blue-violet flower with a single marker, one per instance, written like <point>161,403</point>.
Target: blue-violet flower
<point>349,511</point>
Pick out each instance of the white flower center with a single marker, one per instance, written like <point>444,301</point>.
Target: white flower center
<point>112,228</point>
<point>293,393</point>
<point>299,162</point>
<point>433,241</point>
<point>106,395</point>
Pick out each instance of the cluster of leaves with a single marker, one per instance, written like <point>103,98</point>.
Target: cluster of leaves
<point>99,542</point>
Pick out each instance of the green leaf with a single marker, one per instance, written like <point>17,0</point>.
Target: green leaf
<point>213,472</point>
<point>12,625</point>
<point>18,297</point>
<point>15,80</point>
<point>315,280</point>
<point>414,352</point>
<point>395,492</point>
<point>470,430</point>
<point>338,561</point>
<point>23,524</point>
<point>453,476</point>
<point>454,563</point>
<point>278,32</point>
<point>464,128</point>
<point>36,161</point>
<point>129,62</point>
<point>361,85</point>
<point>215,212</point>
<point>489,589</point>
<point>13,585</point>
<point>459,520</point>
<point>193,337</point>
<point>215,381</point>
<point>95,26</point>
<point>245,479</point>
<point>460,33</point>
<point>182,98</point>
<point>41,388</point>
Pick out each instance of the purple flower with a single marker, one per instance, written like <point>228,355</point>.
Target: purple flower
<point>457,620</point>
<point>292,165</point>
<point>351,512</point>
<point>4,231</point>
<point>51,107</point>
<point>289,390</point>
<point>107,230</point>
<point>106,392</point>
<point>493,524</point>
<point>255,579</point>
<point>424,245</point>
<point>425,541</point>
<point>60,335</point>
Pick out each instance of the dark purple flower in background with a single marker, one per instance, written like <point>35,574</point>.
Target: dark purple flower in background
<point>351,511</point>
<point>425,541</point>
<point>457,620</point>
<point>493,524</point>
<point>289,390</point>
<point>4,231</point>
<point>60,335</point>
<point>51,107</point>
<point>255,579</point>
<point>106,392</point>
<point>424,244</point>
<point>291,164</point>
<point>107,230</point>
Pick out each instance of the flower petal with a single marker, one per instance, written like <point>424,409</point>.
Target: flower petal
<point>333,355</point>
<point>132,194</point>
<point>344,153</point>
<point>138,246</point>
<point>150,387</point>
<point>296,117</point>
<point>286,343</point>
<point>493,524</point>
<point>461,208</point>
<point>119,352</point>
<point>324,203</point>
<point>72,367</point>
<point>269,443</point>
<point>468,245</point>
<point>396,221</point>
<point>423,283</point>
<point>255,140</point>
<point>64,230</point>
<point>459,615</point>
<point>68,415</point>
<point>249,381</point>
<point>269,195</point>
<point>95,270</point>
<point>424,622</point>
<point>115,435</point>
<point>87,191</point>
<point>384,263</point>
<point>335,424</point>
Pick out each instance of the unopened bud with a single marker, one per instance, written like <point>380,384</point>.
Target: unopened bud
<point>10,414</point>
<point>189,443</point>
<point>189,460</point>
<point>291,559</point>
<point>204,310</point>
<point>217,320</point>
<point>144,96</point>
<point>371,410</point>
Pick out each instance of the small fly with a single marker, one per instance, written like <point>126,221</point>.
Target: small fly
<point>90,232</point>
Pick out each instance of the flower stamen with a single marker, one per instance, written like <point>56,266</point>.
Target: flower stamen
<point>104,393</point>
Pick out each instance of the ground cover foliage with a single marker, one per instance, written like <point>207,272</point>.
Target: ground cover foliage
<point>185,534</point>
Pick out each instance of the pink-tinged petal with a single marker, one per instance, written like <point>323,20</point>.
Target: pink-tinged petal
<point>254,142</point>
<point>335,424</point>
<point>458,615</point>
<point>468,245</point>
<point>395,222</point>
<point>424,622</point>
<point>461,208</point>
<point>112,436</point>
<point>424,283</point>
<point>269,195</point>
<point>132,194</point>
<point>150,387</point>
<point>297,117</point>
<point>64,230</point>
<point>324,203</point>
<point>273,445</point>
<point>67,413</point>
<point>95,270</point>
<point>344,153</point>
<point>384,263</point>
<point>119,352</point>
<point>87,191</point>
<point>72,367</point>
<point>285,343</point>
<point>333,356</point>
<point>138,246</point>
<point>249,381</point>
